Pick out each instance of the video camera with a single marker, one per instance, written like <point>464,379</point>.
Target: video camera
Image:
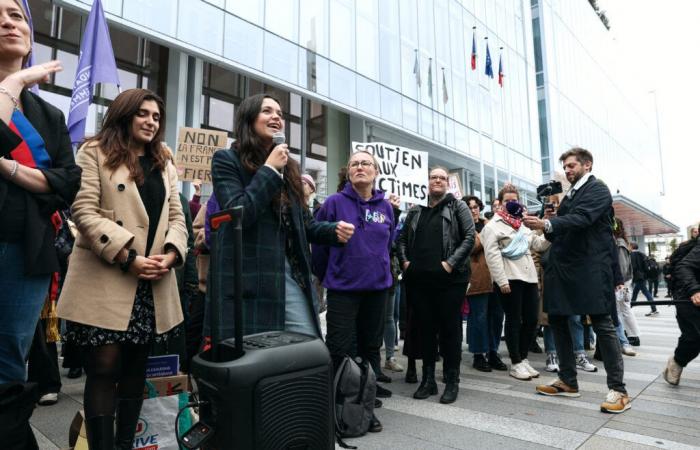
<point>545,190</point>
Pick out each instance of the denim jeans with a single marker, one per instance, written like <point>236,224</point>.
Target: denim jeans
<point>392,319</point>
<point>641,285</point>
<point>21,299</point>
<point>620,330</point>
<point>576,330</point>
<point>484,324</point>
<point>297,313</point>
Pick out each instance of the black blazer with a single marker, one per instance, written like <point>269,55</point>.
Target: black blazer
<point>63,177</point>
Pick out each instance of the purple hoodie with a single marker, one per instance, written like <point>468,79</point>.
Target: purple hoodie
<point>363,264</point>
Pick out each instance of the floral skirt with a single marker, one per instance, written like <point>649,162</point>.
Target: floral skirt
<point>141,329</point>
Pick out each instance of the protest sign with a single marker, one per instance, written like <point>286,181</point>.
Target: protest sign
<point>402,171</point>
<point>454,185</point>
<point>195,149</point>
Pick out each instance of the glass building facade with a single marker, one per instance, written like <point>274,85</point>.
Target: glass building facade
<point>583,101</point>
<point>344,71</point>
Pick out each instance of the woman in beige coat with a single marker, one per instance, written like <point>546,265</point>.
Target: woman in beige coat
<point>507,244</point>
<point>120,292</point>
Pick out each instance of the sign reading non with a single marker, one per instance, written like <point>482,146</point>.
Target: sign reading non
<point>402,171</point>
<point>195,149</point>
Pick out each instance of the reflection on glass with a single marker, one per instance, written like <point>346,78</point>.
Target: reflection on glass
<point>368,96</point>
<point>250,10</point>
<point>280,58</point>
<point>281,18</point>
<point>243,42</point>
<point>221,114</point>
<point>313,26</point>
<point>410,114</point>
<point>342,84</point>
<point>342,32</point>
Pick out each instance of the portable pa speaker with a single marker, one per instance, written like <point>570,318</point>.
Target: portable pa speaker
<point>266,391</point>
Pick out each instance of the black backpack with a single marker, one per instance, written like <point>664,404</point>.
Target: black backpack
<point>355,388</point>
<point>677,256</point>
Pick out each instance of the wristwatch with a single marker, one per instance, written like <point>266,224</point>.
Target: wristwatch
<point>129,260</point>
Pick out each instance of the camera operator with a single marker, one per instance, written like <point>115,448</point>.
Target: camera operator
<point>578,276</point>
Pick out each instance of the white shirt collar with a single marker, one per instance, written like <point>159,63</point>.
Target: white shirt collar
<point>578,184</point>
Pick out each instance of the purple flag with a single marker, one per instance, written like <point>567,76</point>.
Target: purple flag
<point>96,65</point>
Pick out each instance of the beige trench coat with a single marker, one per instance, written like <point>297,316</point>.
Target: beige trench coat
<point>110,215</point>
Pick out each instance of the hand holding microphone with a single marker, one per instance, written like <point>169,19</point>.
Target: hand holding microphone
<point>280,153</point>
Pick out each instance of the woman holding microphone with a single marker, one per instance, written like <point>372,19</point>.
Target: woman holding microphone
<point>277,226</point>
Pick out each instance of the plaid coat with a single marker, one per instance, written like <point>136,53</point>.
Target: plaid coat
<point>263,245</point>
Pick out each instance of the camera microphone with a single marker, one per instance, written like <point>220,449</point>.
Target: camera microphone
<point>277,139</point>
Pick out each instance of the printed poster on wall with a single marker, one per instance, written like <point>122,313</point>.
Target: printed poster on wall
<point>402,171</point>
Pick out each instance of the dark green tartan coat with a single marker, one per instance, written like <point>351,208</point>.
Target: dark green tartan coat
<point>263,279</point>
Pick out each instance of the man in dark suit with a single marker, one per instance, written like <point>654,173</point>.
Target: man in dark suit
<point>639,271</point>
<point>578,277</point>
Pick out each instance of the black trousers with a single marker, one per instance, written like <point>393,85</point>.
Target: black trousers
<point>355,323</point>
<point>43,362</point>
<point>688,317</point>
<point>439,313</point>
<point>608,343</point>
<point>521,308</point>
<point>654,286</point>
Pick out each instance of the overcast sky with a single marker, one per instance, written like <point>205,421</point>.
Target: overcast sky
<point>659,41</point>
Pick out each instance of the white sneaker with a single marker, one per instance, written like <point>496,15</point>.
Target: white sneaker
<point>530,369</point>
<point>48,399</point>
<point>520,372</point>
<point>552,363</point>
<point>393,365</point>
<point>672,372</point>
<point>582,363</point>
<point>628,350</point>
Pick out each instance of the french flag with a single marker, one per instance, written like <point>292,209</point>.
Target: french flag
<point>500,70</point>
<point>474,50</point>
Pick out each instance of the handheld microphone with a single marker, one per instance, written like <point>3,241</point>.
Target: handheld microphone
<point>277,139</point>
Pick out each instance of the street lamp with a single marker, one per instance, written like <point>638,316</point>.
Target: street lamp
<point>658,137</point>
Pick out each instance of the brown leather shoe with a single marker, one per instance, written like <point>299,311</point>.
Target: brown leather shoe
<point>557,388</point>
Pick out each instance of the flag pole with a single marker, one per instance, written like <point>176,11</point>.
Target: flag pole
<point>430,91</point>
<point>418,113</point>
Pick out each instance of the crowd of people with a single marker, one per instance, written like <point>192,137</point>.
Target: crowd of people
<point>107,243</point>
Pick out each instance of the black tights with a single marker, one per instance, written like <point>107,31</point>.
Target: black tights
<point>113,371</point>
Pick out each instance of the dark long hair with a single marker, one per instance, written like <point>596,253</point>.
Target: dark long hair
<point>619,230</point>
<point>115,137</point>
<point>253,153</point>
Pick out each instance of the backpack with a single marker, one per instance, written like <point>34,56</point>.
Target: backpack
<point>652,268</point>
<point>677,256</point>
<point>354,388</point>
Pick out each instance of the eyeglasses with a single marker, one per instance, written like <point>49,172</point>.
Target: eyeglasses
<point>438,177</point>
<point>365,164</point>
<point>475,207</point>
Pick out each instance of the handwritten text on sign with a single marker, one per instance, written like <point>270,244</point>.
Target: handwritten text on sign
<point>402,171</point>
<point>195,149</point>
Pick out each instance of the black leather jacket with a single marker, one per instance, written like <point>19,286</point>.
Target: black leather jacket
<point>687,275</point>
<point>457,237</point>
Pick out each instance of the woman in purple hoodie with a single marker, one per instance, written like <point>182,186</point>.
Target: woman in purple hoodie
<point>357,275</point>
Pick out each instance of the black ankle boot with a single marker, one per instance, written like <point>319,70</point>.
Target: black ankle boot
<point>428,386</point>
<point>411,375</point>
<point>480,363</point>
<point>100,432</point>
<point>128,410</point>
<point>495,362</point>
<point>451,387</point>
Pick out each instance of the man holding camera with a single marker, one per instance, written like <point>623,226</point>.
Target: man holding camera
<point>578,277</point>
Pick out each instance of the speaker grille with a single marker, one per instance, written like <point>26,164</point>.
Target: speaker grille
<point>294,411</point>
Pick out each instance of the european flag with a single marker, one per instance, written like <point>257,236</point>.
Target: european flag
<point>489,68</point>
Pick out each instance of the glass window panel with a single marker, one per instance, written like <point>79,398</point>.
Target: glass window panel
<point>42,53</point>
<point>71,27</point>
<point>390,45</point>
<point>322,76</point>
<point>368,96</point>
<point>142,13</point>
<point>282,18</point>
<point>250,10</point>
<point>280,58</point>
<point>426,122</point>
<point>128,80</point>
<point>474,143</point>
<point>295,104</point>
<point>409,83</point>
<point>461,138</point>
<point>66,77</point>
<point>243,42</point>
<point>342,82</point>
<point>313,25</point>
<point>128,48</point>
<point>225,81</point>
<point>42,16</point>
<point>294,135</point>
<point>410,114</point>
<point>221,114</point>
<point>391,106</point>
<point>218,3</point>
<point>342,27</point>
<point>367,39</point>
<point>201,16</point>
